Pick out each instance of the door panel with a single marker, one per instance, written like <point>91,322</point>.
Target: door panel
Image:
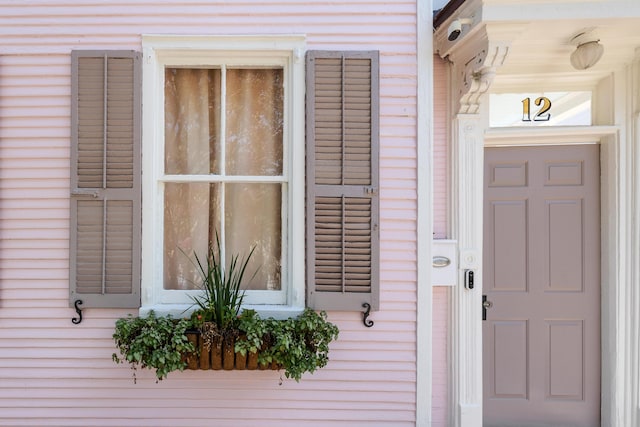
<point>565,368</point>
<point>510,377</point>
<point>563,242</point>
<point>509,220</point>
<point>541,255</point>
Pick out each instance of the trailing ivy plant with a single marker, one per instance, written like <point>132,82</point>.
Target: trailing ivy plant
<point>252,331</point>
<point>297,345</point>
<point>152,342</point>
<point>302,344</point>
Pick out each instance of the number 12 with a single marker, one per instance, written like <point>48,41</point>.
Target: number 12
<point>542,115</point>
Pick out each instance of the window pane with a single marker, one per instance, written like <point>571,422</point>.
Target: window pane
<point>253,218</point>
<point>540,109</point>
<point>191,218</point>
<point>254,122</point>
<point>192,121</point>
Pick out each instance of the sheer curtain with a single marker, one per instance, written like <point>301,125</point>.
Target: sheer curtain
<point>245,214</point>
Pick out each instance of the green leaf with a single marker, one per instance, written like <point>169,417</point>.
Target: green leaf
<point>152,342</point>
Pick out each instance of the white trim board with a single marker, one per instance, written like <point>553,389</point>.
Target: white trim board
<point>424,143</point>
<point>563,135</point>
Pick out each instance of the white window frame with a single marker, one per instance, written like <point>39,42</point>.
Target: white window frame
<point>160,51</point>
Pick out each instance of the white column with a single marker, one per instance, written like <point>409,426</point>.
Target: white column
<point>466,334</point>
<point>471,79</point>
<point>628,292</point>
<point>620,160</point>
<point>474,60</point>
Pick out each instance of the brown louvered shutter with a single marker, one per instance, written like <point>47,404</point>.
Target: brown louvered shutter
<point>105,179</point>
<point>342,180</point>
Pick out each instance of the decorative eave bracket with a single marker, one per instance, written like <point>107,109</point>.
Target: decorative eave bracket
<point>475,57</point>
<point>476,75</point>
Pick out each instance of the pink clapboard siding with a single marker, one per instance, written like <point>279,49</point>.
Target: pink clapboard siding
<point>440,156</point>
<point>55,373</point>
<point>440,317</point>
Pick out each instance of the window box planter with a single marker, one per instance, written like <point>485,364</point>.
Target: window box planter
<point>296,345</point>
<point>218,336</point>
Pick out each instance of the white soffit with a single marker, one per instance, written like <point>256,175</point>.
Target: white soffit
<point>539,34</point>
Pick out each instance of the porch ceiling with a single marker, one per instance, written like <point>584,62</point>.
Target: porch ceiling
<point>539,53</point>
<point>538,34</point>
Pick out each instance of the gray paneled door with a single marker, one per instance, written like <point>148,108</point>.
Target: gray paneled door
<point>541,336</point>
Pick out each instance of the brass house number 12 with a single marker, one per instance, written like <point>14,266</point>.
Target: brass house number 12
<point>542,115</point>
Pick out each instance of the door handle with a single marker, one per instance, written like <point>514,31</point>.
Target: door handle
<point>486,304</point>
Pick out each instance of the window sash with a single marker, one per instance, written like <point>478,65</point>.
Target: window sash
<point>212,95</point>
<point>208,52</point>
<point>224,121</point>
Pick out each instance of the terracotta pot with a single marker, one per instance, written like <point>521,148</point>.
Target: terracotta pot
<point>222,355</point>
<point>252,361</point>
<point>192,358</point>
<point>264,366</point>
<point>216,355</point>
<point>205,354</point>
<point>241,361</point>
<point>228,354</point>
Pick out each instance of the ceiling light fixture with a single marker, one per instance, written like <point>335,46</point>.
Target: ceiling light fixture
<point>588,51</point>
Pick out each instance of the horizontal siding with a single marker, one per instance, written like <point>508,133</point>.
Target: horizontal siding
<point>440,366</point>
<point>55,373</point>
<point>440,357</point>
<point>440,150</point>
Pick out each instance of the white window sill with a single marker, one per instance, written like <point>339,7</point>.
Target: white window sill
<point>278,312</point>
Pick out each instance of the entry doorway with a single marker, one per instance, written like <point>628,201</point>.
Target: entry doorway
<point>541,336</point>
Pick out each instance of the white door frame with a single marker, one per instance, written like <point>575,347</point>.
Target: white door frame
<point>619,247</point>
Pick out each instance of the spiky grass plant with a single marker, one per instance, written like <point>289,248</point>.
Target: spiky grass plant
<point>223,293</point>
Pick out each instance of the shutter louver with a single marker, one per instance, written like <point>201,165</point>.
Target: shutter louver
<point>105,179</point>
<point>342,180</point>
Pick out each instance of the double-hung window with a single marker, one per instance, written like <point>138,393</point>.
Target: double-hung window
<point>251,141</point>
<point>223,140</point>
